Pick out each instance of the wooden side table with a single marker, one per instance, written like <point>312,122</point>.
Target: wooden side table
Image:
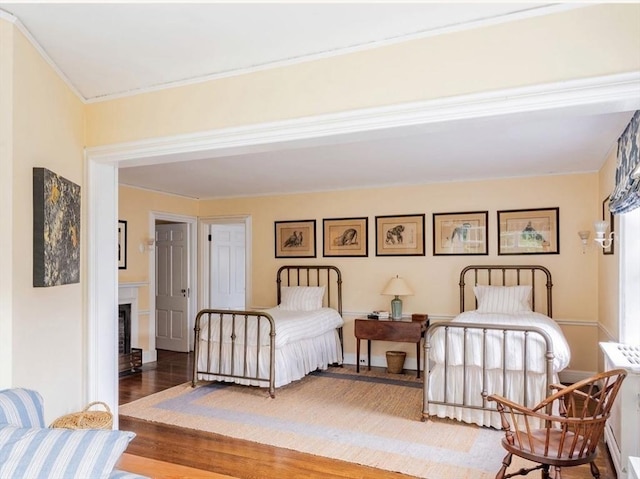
<point>387,330</point>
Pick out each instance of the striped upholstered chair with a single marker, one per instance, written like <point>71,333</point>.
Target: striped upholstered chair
<point>29,449</point>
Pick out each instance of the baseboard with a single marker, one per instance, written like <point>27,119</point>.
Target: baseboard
<point>378,361</point>
<point>570,376</point>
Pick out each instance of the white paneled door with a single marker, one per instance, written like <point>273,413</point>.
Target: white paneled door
<point>172,288</point>
<point>227,267</point>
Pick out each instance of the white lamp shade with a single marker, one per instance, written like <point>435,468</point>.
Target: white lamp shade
<point>397,287</point>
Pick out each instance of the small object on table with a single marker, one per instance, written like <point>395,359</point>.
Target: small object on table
<point>418,317</point>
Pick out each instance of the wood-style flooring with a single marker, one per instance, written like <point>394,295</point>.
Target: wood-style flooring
<point>174,452</point>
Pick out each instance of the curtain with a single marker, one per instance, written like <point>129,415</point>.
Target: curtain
<point>626,194</point>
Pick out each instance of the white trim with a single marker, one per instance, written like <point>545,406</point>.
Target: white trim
<point>102,284</point>
<point>590,94</point>
<point>27,34</point>
<point>192,302</point>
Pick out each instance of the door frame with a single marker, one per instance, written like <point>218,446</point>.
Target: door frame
<point>204,224</point>
<point>192,278</point>
<point>604,94</point>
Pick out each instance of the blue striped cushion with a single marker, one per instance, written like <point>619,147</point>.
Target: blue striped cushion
<point>21,407</point>
<point>60,453</point>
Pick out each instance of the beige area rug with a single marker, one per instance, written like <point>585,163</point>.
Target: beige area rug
<point>367,418</point>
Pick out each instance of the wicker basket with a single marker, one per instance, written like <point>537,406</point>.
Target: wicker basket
<point>395,361</point>
<point>86,419</point>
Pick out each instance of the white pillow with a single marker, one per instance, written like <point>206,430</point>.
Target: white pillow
<point>301,298</point>
<point>502,299</point>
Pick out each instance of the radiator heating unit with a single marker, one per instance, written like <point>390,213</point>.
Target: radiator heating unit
<point>622,432</point>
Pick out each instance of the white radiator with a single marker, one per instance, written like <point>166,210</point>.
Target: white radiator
<point>634,468</point>
<point>622,432</point>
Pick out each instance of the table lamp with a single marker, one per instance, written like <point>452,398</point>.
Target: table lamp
<point>397,287</point>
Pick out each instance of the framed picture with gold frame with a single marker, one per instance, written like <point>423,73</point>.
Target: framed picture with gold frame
<point>346,237</point>
<point>608,216</point>
<point>295,239</point>
<point>400,235</point>
<point>457,234</point>
<point>535,231</point>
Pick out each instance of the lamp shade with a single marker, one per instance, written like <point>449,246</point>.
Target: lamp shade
<point>397,287</point>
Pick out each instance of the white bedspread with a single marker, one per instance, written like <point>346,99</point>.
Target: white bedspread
<point>514,342</point>
<point>291,326</point>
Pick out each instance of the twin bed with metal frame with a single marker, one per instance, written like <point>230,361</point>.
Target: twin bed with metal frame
<point>499,344</point>
<point>274,347</point>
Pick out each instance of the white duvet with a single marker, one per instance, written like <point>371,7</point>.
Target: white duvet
<point>291,326</point>
<point>494,350</point>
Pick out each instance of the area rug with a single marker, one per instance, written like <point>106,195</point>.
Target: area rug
<point>367,418</point>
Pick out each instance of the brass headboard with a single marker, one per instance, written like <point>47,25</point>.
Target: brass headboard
<point>509,275</point>
<point>316,275</point>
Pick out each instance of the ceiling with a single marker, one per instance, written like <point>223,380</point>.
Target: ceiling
<point>109,50</point>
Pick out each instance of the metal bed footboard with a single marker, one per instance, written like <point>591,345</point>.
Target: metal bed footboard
<point>530,333</point>
<point>230,323</point>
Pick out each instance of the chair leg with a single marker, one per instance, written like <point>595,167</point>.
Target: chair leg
<point>595,472</point>
<point>506,462</point>
<point>558,474</point>
<point>545,471</point>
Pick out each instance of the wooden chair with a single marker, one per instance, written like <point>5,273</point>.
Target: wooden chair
<point>568,439</point>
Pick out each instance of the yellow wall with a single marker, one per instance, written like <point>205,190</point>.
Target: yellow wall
<point>48,327</point>
<point>608,265</point>
<point>586,42</point>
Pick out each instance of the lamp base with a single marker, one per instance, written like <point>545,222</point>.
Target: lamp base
<point>396,309</point>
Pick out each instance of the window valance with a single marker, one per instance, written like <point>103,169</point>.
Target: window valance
<point>626,194</point>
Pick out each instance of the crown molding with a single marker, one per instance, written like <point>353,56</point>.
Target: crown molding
<point>458,27</point>
<point>593,95</point>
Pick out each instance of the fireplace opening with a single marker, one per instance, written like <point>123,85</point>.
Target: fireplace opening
<point>124,329</point>
<point>129,359</point>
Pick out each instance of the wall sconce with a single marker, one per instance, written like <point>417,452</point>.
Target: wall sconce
<point>584,236</point>
<point>150,243</point>
<point>397,287</point>
<point>601,229</point>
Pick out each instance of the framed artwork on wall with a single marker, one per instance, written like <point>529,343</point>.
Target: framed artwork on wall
<point>534,231</point>
<point>346,237</point>
<point>56,229</point>
<point>295,239</point>
<point>460,233</point>
<point>400,235</point>
<point>122,244</point>
<point>608,216</point>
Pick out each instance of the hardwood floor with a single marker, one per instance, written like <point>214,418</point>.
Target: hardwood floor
<point>197,454</point>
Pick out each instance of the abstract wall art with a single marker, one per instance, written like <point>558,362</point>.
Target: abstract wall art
<point>56,229</point>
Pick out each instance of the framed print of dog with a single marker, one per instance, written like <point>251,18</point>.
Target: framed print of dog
<point>295,239</point>
<point>400,235</point>
<point>460,233</point>
<point>346,237</point>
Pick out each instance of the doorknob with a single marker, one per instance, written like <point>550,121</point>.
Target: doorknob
<point>184,292</point>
